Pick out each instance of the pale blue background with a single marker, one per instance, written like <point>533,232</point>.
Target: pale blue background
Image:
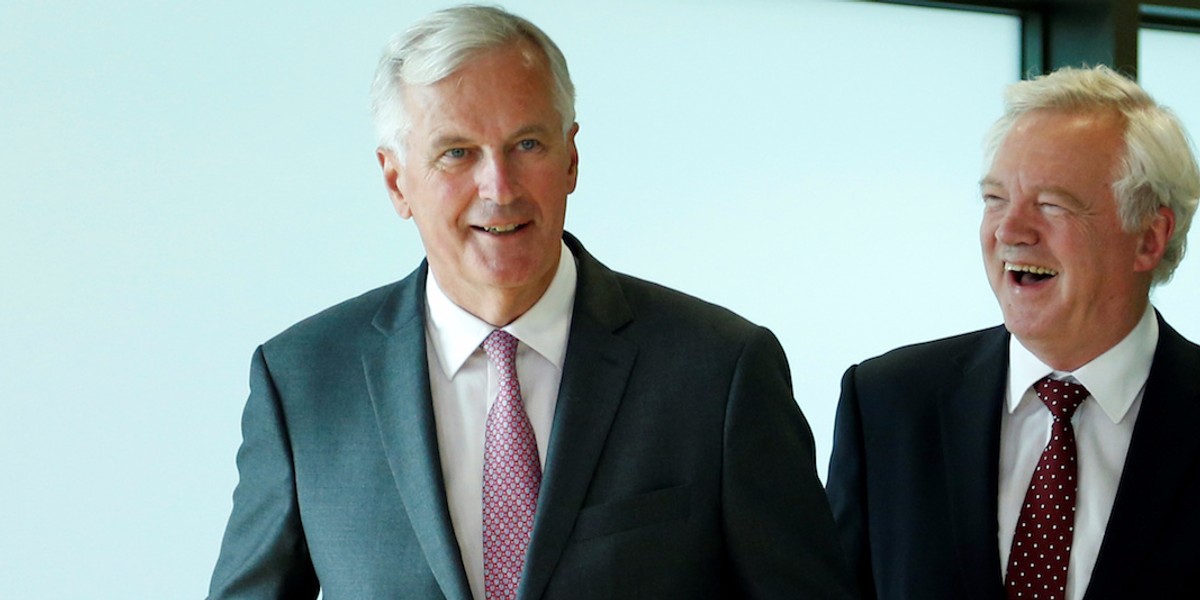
<point>180,181</point>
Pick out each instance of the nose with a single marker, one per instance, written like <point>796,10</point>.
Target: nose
<point>1016,224</point>
<point>496,179</point>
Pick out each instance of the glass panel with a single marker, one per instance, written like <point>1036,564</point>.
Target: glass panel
<point>1167,66</point>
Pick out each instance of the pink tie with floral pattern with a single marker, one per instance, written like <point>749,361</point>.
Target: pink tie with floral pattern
<point>512,475</point>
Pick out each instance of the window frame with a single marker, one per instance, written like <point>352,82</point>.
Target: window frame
<point>1058,33</point>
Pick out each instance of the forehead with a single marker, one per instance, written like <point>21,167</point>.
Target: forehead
<point>1056,146</point>
<point>495,87</point>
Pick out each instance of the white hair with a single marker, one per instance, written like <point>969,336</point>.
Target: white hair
<point>1158,169</point>
<point>437,45</point>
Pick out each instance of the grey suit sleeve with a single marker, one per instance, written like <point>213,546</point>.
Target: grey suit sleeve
<point>264,554</point>
<point>779,532</point>
<point>847,484</point>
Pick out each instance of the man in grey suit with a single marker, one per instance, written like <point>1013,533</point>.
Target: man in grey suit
<point>647,446</point>
<point>1055,456</point>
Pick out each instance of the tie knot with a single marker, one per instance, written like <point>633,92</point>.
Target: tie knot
<point>1061,397</point>
<point>501,348</point>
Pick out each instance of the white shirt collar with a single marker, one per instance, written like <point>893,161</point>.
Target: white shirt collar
<point>1114,378</point>
<point>456,333</point>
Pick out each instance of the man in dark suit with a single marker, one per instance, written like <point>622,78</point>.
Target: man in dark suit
<point>957,470</point>
<point>610,439</point>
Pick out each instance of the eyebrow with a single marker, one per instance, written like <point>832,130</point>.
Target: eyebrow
<point>447,141</point>
<point>1064,194</point>
<point>1053,190</point>
<point>528,129</point>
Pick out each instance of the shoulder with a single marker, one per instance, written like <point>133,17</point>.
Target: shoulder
<point>668,324</point>
<point>1172,339</point>
<point>924,361</point>
<point>352,322</point>
<point>1175,356</point>
<point>334,321</point>
<point>657,306</point>
<point>634,307</point>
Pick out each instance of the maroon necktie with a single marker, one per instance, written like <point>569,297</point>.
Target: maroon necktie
<point>512,475</point>
<point>1041,545</point>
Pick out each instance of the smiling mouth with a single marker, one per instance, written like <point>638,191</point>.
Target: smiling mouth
<point>500,229</point>
<point>1028,274</point>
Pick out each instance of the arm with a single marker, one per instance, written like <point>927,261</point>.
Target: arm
<point>780,537</point>
<point>847,487</point>
<point>264,553</point>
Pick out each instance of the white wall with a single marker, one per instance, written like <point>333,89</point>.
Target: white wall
<point>180,181</point>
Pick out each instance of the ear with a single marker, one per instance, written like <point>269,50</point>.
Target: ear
<point>573,151</point>
<point>392,172</point>
<point>1154,237</point>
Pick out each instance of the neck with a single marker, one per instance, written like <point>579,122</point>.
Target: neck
<point>497,306</point>
<point>502,310</point>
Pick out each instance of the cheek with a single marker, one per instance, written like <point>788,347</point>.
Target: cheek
<point>987,234</point>
<point>1087,247</point>
<point>446,200</point>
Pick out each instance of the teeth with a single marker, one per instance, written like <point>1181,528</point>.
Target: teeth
<point>502,228</point>
<point>1030,269</point>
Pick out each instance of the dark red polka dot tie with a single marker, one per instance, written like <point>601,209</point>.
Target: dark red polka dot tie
<point>1041,546</point>
<point>512,476</point>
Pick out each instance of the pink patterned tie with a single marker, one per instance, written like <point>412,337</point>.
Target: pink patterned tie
<point>1041,546</point>
<point>512,475</point>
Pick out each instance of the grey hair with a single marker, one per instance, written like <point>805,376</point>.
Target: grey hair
<point>1158,169</point>
<point>437,45</point>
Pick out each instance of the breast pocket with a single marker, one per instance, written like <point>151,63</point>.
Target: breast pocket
<point>626,514</point>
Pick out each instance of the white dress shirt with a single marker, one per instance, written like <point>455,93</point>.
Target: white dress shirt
<point>464,384</point>
<point>1103,427</point>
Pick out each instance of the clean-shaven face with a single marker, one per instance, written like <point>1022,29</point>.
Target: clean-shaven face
<point>1070,280</point>
<point>486,176</point>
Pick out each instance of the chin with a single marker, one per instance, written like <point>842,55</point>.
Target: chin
<point>1027,327</point>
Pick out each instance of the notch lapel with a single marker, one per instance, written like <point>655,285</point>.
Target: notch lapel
<point>397,374</point>
<point>595,374</point>
<point>970,423</point>
<point>1164,445</point>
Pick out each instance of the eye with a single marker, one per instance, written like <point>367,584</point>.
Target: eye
<point>528,145</point>
<point>992,201</point>
<point>1052,208</point>
<point>455,153</point>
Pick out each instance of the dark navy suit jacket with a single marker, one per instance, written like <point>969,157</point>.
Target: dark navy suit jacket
<point>913,478</point>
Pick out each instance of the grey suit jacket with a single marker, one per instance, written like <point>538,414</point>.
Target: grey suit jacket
<point>914,475</point>
<point>678,466</point>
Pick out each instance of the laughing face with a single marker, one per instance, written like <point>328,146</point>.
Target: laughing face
<point>485,177</point>
<point>1070,280</point>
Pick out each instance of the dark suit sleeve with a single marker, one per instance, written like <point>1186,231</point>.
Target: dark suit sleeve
<point>781,541</point>
<point>847,485</point>
<point>264,554</point>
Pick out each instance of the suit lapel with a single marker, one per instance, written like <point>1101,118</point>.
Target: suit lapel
<point>1164,443</point>
<point>970,424</point>
<point>595,373</point>
<point>398,381</point>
